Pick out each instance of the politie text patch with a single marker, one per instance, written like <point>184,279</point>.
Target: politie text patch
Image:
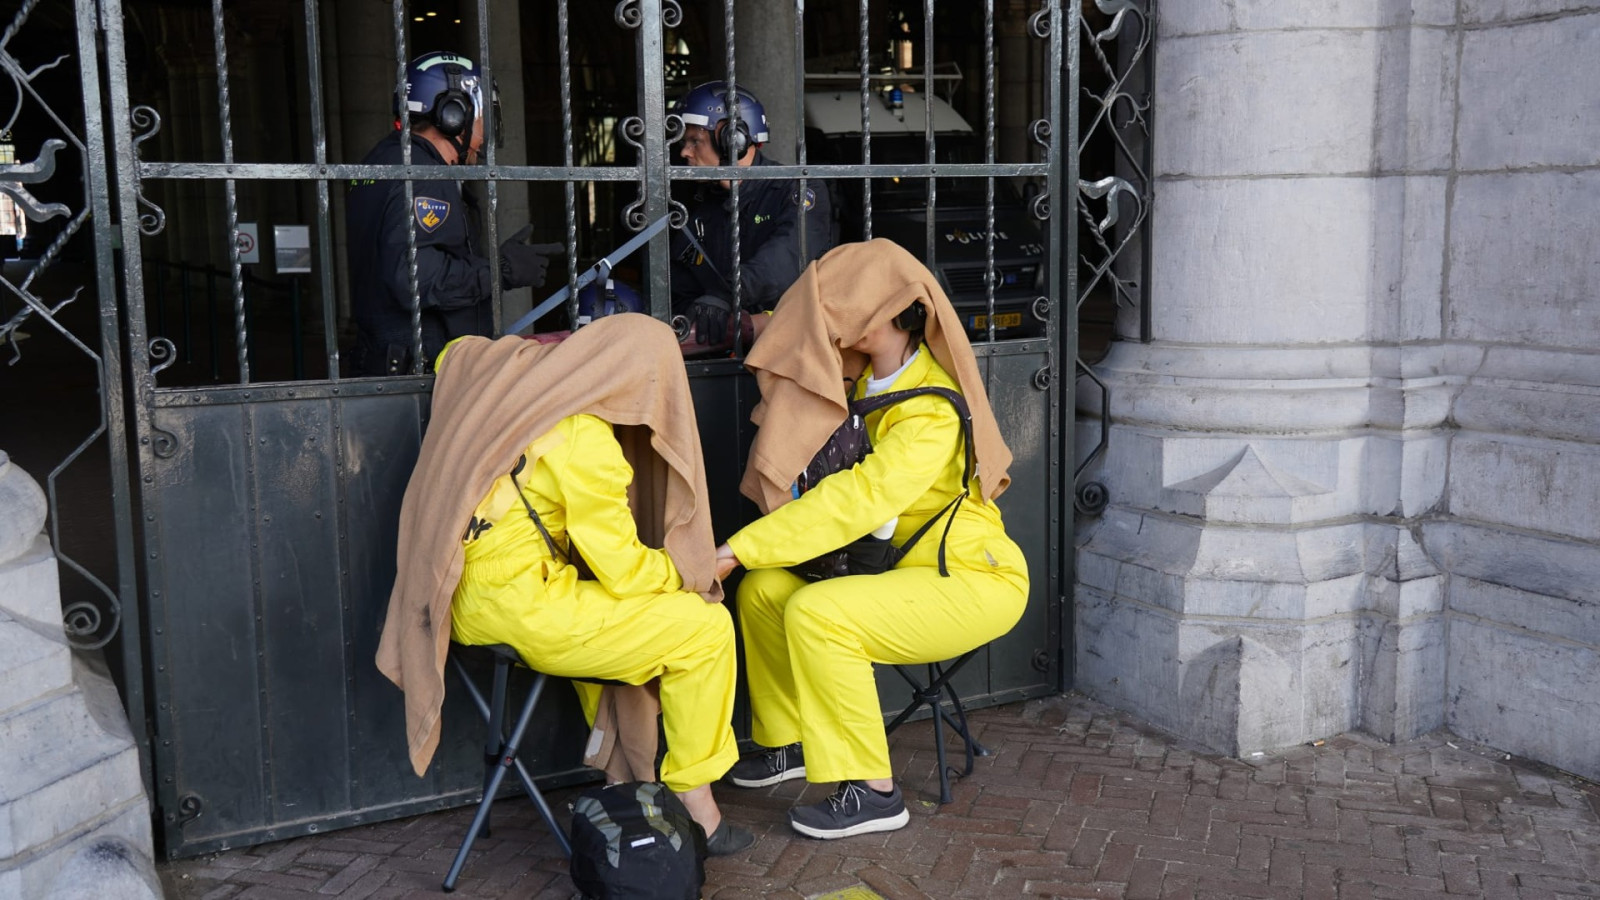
<point>431,213</point>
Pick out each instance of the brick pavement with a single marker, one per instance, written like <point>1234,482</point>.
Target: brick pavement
<point>1078,800</point>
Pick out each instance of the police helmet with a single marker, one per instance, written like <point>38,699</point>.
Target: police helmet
<point>446,91</point>
<point>706,105</point>
<point>598,299</point>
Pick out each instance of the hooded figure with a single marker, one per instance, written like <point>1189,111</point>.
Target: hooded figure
<point>522,472</point>
<point>864,319</point>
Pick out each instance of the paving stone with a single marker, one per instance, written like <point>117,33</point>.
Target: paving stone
<point>1077,801</point>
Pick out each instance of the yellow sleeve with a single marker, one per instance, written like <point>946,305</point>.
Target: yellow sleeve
<point>594,490</point>
<point>921,437</point>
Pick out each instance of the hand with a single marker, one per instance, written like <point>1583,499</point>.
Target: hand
<point>726,562</point>
<point>709,316</point>
<point>523,264</point>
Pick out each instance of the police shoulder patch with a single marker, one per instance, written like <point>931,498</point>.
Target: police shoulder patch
<point>430,213</point>
<point>809,201</point>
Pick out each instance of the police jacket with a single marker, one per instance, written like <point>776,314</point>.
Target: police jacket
<point>453,279</point>
<point>769,247</point>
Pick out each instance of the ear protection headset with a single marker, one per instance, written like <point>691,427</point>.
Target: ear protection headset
<point>452,111</point>
<point>912,318</point>
<point>732,139</point>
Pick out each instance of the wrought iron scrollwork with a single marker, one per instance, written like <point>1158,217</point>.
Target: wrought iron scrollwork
<point>1041,133</point>
<point>632,130</point>
<point>674,128</point>
<point>628,14</point>
<point>1043,378</point>
<point>1091,499</point>
<point>1041,206</point>
<point>146,122</point>
<point>1110,189</point>
<point>190,806</point>
<point>162,352</point>
<point>671,13</point>
<point>152,219</point>
<point>1041,308</point>
<point>1039,24</point>
<point>677,214</point>
<point>164,444</point>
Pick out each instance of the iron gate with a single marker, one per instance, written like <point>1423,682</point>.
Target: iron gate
<point>262,511</point>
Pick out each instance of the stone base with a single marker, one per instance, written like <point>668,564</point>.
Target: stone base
<point>69,780</point>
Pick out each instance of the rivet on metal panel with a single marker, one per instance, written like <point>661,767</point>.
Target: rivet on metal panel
<point>158,629</point>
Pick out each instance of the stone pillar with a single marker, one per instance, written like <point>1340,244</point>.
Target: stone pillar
<point>71,797</point>
<point>1354,476</point>
<point>1262,576</point>
<point>765,66</point>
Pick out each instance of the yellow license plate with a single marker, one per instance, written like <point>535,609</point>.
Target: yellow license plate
<point>1001,320</point>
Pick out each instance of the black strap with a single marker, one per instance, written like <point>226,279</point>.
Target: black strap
<point>549,541</point>
<point>867,405</point>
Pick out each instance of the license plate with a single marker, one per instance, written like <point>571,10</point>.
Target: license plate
<point>1001,320</point>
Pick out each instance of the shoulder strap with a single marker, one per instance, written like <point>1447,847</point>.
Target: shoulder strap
<point>872,404</point>
<point>522,461</point>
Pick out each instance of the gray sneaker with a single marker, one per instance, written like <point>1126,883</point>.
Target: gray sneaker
<point>853,809</point>
<point>769,767</point>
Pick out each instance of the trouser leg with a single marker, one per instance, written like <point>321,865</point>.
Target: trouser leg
<point>837,629</point>
<point>676,636</point>
<point>775,715</point>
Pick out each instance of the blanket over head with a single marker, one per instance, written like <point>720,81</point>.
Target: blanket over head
<point>804,366</point>
<point>490,400</point>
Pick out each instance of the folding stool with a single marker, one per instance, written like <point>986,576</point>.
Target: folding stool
<point>499,751</point>
<point>956,717</point>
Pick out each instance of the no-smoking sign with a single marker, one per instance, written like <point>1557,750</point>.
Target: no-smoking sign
<point>249,243</point>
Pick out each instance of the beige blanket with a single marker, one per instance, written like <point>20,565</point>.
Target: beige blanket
<point>803,365</point>
<point>489,401</point>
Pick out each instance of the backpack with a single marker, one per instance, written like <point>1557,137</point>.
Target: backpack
<point>849,444</point>
<point>636,840</point>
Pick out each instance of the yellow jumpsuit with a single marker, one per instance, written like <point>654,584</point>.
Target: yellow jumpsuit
<point>634,622</point>
<point>809,647</point>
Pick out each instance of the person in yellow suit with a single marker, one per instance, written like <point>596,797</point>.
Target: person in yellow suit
<point>556,488</point>
<point>870,315</point>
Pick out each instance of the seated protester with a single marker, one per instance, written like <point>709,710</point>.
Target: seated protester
<point>871,315</point>
<point>521,471</point>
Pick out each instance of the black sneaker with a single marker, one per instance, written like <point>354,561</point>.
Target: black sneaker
<point>853,809</point>
<point>769,767</point>
<point>729,839</point>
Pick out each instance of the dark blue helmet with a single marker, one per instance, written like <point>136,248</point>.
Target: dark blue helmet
<point>598,299</point>
<point>706,105</point>
<point>446,91</point>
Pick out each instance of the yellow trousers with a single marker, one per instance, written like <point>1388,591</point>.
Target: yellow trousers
<point>576,629</point>
<point>809,650</point>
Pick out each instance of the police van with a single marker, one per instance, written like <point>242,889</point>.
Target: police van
<point>899,205</point>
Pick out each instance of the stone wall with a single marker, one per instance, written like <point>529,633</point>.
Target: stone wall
<point>1352,476</point>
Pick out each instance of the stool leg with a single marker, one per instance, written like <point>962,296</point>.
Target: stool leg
<point>495,740</point>
<point>528,786</point>
<point>938,735</point>
<point>503,762</point>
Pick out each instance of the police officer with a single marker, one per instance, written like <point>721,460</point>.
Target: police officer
<point>445,96</point>
<point>769,257</point>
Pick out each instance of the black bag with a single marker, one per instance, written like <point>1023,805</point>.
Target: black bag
<point>636,840</point>
<point>849,444</point>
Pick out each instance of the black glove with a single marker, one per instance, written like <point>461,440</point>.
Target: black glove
<point>523,264</point>
<point>709,315</point>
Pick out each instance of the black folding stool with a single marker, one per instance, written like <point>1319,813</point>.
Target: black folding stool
<point>499,751</point>
<point>956,717</point>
